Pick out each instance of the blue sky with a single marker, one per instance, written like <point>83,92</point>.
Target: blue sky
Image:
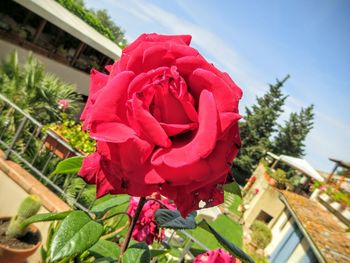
<point>259,41</point>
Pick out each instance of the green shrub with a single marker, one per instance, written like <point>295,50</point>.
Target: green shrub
<point>261,234</point>
<point>108,29</point>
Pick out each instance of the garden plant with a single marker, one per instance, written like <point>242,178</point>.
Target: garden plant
<point>165,122</point>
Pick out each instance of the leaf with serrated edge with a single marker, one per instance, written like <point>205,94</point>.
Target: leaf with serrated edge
<point>76,234</point>
<point>230,247</point>
<point>172,219</point>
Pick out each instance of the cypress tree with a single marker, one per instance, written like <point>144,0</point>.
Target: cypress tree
<point>258,124</point>
<point>291,136</point>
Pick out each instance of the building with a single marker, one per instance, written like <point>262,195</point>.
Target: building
<point>306,232</point>
<point>67,46</point>
<point>303,229</point>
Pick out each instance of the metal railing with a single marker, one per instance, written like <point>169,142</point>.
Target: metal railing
<point>23,139</point>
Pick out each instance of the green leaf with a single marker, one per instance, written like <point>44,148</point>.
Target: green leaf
<point>233,188</point>
<point>173,219</point>
<point>230,247</point>
<point>105,203</point>
<point>69,166</point>
<point>105,249</point>
<point>44,217</point>
<point>137,253</point>
<point>158,252</point>
<point>76,234</point>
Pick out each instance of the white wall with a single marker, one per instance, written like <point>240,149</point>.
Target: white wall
<point>279,230</point>
<point>267,199</point>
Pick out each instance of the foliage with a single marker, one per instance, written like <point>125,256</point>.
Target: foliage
<point>106,20</point>
<point>260,132</point>
<point>74,134</point>
<point>291,136</point>
<point>280,176</point>
<point>233,249</point>
<point>232,203</point>
<point>257,257</point>
<point>99,20</point>
<point>259,124</point>
<point>336,195</point>
<point>261,234</point>
<point>172,219</point>
<point>41,90</point>
<point>95,237</point>
<point>221,224</point>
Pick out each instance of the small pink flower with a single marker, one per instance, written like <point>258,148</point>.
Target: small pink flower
<point>63,104</point>
<point>215,256</point>
<point>146,228</point>
<point>323,188</point>
<point>256,191</point>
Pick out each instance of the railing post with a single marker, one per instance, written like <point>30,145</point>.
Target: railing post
<point>186,250</point>
<point>15,138</point>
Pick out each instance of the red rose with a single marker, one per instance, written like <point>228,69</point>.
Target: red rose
<point>146,229</point>
<point>165,120</point>
<point>215,256</point>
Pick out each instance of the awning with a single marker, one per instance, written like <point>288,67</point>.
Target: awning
<point>64,19</point>
<point>301,165</point>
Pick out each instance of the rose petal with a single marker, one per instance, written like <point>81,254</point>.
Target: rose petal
<point>169,108</point>
<point>185,174</point>
<point>144,78</point>
<point>175,129</point>
<point>97,81</point>
<point>226,120</point>
<point>155,57</point>
<point>225,98</point>
<point>90,168</point>
<point>112,132</point>
<point>186,65</point>
<point>201,145</point>
<point>148,125</point>
<point>152,177</point>
<point>109,99</point>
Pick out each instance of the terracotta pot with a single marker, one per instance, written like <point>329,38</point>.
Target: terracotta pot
<point>18,255</point>
<point>55,146</point>
<point>272,182</point>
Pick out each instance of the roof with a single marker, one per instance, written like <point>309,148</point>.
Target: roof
<point>67,21</point>
<point>341,163</point>
<point>325,232</point>
<point>299,164</point>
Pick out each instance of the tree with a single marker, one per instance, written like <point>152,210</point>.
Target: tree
<point>291,136</point>
<point>259,124</point>
<point>107,21</point>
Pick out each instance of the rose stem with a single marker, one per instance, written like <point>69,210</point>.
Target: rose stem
<point>132,226</point>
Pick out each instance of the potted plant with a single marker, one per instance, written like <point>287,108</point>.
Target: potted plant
<point>18,240</point>
<point>72,133</point>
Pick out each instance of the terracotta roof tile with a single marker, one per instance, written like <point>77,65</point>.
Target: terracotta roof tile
<point>328,236</point>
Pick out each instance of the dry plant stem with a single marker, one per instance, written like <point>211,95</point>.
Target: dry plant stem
<point>132,226</point>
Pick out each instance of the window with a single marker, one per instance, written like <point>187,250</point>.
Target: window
<point>264,217</point>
